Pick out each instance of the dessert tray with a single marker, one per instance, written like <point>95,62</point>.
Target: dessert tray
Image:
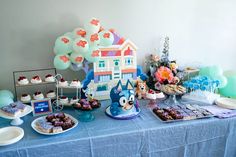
<point>226,103</point>
<point>10,135</point>
<point>181,113</point>
<point>34,125</point>
<point>16,119</point>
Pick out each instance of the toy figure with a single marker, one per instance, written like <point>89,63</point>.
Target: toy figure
<point>123,100</point>
<point>141,90</point>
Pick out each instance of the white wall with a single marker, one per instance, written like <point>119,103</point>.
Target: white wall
<point>201,31</point>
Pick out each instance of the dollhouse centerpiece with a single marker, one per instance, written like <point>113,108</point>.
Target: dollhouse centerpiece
<point>117,62</point>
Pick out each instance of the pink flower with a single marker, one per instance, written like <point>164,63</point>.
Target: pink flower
<point>163,73</point>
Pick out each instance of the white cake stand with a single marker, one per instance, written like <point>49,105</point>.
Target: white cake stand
<point>16,119</point>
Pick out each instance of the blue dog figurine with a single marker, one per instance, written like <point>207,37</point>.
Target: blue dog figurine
<point>123,99</point>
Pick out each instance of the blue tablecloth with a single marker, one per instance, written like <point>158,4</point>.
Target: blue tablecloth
<point>142,136</point>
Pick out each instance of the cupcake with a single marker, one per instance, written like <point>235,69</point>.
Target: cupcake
<point>64,100</point>
<point>85,105</point>
<point>151,94</point>
<point>49,78</point>
<point>38,96</point>
<point>95,103</point>
<point>63,83</point>
<point>25,98</point>
<point>22,80</point>
<point>36,79</point>
<point>74,100</point>
<point>51,94</point>
<point>75,83</point>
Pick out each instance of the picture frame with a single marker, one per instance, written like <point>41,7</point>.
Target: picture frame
<point>41,107</point>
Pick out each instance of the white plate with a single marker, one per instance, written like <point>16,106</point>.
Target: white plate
<point>226,103</point>
<point>10,135</point>
<point>28,109</point>
<point>33,125</point>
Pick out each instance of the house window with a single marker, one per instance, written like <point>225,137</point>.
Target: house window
<point>116,62</point>
<point>129,61</point>
<point>101,64</point>
<point>104,78</point>
<point>103,87</point>
<point>127,76</point>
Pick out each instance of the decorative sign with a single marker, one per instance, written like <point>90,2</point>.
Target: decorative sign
<point>41,107</point>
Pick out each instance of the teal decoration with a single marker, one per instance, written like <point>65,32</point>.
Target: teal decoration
<point>92,26</point>
<point>76,58</point>
<point>106,38</point>
<point>5,100</point>
<point>222,79</point>
<point>211,71</point>
<point>93,55</point>
<point>80,46</point>
<point>62,62</point>
<point>230,89</point>
<point>7,93</point>
<point>63,45</point>
<point>70,35</point>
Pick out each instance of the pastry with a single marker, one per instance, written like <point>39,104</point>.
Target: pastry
<point>63,83</point>
<point>77,106</point>
<point>85,105</point>
<point>14,109</point>
<point>22,80</point>
<point>36,79</point>
<point>38,96</point>
<point>74,100</point>
<point>64,100</point>
<point>75,83</point>
<point>173,89</point>
<point>49,78</point>
<point>55,123</point>
<point>25,98</point>
<point>51,94</point>
<point>11,111</point>
<point>95,103</point>
<point>57,129</point>
<point>45,127</point>
<point>151,94</point>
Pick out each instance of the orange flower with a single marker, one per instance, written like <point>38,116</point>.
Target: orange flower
<point>94,22</point>
<point>94,37</point>
<point>65,40</point>
<point>163,74</point>
<point>106,35</point>
<point>81,43</point>
<point>64,59</point>
<point>81,32</point>
<point>95,53</point>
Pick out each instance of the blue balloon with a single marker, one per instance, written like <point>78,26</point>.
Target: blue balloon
<point>6,93</point>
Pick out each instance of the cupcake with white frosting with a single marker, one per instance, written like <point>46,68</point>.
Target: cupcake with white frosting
<point>36,79</point>
<point>51,94</point>
<point>25,98</point>
<point>75,83</point>
<point>63,83</point>
<point>38,96</point>
<point>22,80</point>
<point>49,78</point>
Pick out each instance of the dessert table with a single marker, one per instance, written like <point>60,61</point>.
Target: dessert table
<point>142,136</point>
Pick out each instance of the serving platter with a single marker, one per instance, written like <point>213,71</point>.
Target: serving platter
<point>226,103</point>
<point>10,135</point>
<point>34,126</point>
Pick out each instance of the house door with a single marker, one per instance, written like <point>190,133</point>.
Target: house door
<point>116,71</point>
